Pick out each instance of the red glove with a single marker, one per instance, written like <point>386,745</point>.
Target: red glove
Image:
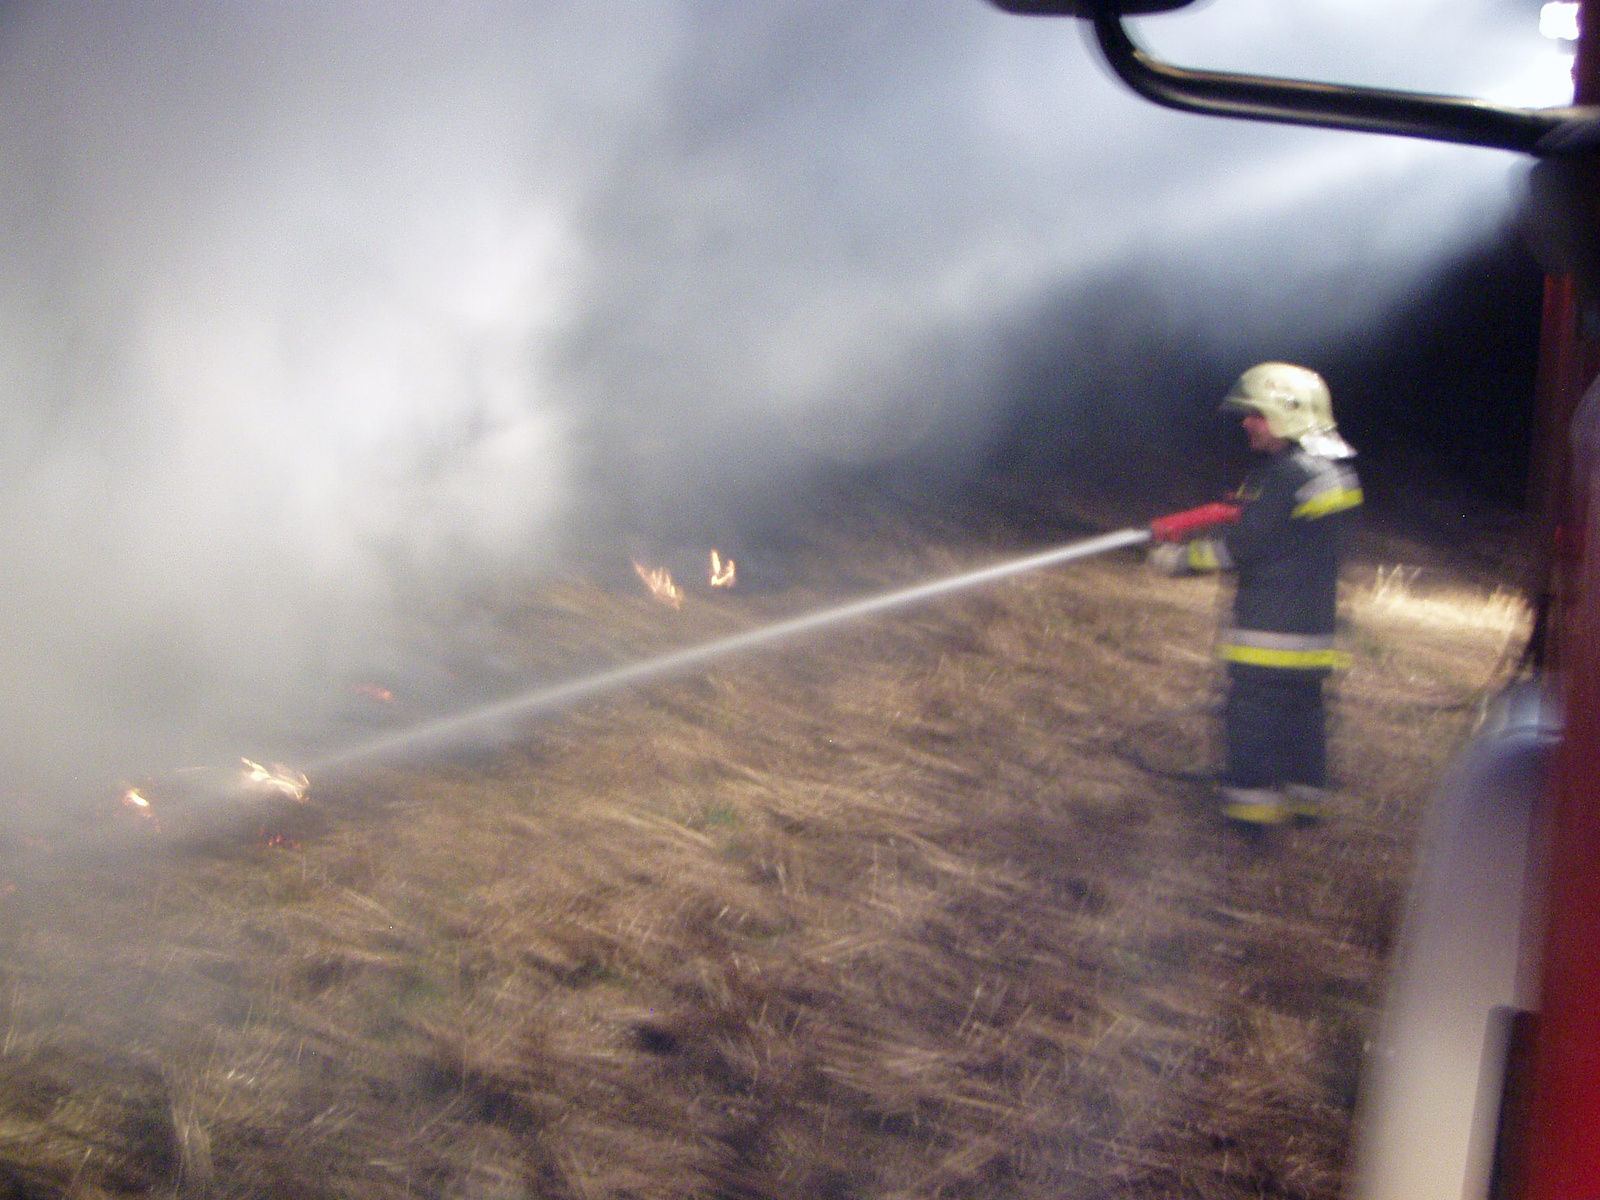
<point>1174,527</point>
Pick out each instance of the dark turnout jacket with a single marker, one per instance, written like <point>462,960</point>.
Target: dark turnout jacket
<point>1285,550</point>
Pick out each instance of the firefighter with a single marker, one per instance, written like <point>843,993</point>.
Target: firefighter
<point>1284,550</point>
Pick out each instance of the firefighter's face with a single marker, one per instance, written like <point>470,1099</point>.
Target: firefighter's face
<point>1261,437</point>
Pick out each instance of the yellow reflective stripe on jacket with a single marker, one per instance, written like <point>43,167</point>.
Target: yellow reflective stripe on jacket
<point>1206,555</point>
<point>1325,503</point>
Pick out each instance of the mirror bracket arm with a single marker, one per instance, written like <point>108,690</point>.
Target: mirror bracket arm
<point>1540,132</point>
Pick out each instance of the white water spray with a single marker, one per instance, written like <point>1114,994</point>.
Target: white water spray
<point>503,716</point>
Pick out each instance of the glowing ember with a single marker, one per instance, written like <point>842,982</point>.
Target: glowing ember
<point>659,581</point>
<point>285,781</point>
<point>723,571</point>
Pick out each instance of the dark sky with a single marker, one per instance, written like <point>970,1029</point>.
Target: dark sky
<point>1437,394</point>
<point>1444,387</point>
<point>316,315</point>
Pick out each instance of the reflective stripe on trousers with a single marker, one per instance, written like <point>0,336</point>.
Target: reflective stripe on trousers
<point>1285,651</point>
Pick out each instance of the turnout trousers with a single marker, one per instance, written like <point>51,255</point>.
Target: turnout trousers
<point>1276,727</point>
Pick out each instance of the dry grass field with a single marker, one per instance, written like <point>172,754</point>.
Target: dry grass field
<point>928,905</point>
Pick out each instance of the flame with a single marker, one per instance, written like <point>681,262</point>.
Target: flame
<point>659,581</point>
<point>134,800</point>
<point>724,572</point>
<point>373,692</point>
<point>285,781</point>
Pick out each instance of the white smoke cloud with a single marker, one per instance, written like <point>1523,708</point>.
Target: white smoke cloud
<point>309,310</point>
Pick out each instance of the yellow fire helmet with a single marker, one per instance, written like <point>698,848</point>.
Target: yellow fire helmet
<point>1296,403</point>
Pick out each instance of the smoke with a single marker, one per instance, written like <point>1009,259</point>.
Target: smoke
<point>315,316</point>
